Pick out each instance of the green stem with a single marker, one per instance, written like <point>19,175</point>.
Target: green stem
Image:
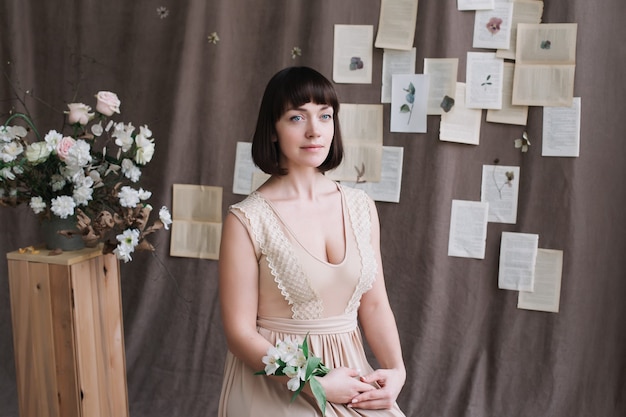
<point>25,118</point>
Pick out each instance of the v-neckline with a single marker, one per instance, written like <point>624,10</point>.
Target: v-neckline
<point>295,237</point>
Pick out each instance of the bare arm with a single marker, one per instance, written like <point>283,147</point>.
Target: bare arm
<point>238,284</point>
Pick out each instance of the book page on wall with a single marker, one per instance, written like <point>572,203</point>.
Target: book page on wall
<point>468,229</point>
<point>443,74</point>
<point>244,169</point>
<point>388,188</point>
<point>492,28</point>
<point>396,24</point>
<point>196,221</point>
<point>509,114</point>
<point>561,130</point>
<point>547,290</point>
<point>518,253</point>
<point>460,124</point>
<point>545,63</point>
<point>395,62</point>
<point>352,55</point>
<point>483,75</point>
<point>475,4</point>
<point>500,188</point>
<point>409,95</point>
<point>362,135</point>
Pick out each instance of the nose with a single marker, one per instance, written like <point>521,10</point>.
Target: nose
<point>312,128</point>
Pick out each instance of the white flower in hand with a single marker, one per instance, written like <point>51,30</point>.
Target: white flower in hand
<point>271,360</point>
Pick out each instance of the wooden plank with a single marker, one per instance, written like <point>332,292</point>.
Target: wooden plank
<point>87,341</point>
<point>111,302</point>
<point>33,339</point>
<point>64,347</point>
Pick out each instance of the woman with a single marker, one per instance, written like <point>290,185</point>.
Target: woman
<point>300,256</point>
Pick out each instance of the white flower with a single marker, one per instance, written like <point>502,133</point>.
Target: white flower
<point>123,136</point>
<point>82,195</point>
<point>129,197</point>
<point>127,242</point>
<point>129,238</point>
<point>79,113</point>
<point>145,146</point>
<point>294,383</point>
<point>37,204</point>
<point>9,133</point>
<point>130,170</point>
<point>122,253</point>
<point>144,194</point>
<point>37,152</point>
<point>63,206</point>
<point>52,139</point>
<point>165,217</point>
<point>79,155</point>
<point>288,349</point>
<point>10,151</point>
<point>271,360</point>
<point>7,173</point>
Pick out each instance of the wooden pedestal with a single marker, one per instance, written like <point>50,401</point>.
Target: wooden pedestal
<point>67,332</point>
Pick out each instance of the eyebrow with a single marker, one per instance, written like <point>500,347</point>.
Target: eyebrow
<point>324,107</point>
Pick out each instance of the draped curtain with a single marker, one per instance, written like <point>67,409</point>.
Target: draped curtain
<point>469,351</point>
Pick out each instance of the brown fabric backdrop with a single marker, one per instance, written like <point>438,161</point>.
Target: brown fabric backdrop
<point>469,351</point>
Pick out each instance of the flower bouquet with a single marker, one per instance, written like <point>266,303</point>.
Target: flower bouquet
<point>86,171</point>
<point>295,361</point>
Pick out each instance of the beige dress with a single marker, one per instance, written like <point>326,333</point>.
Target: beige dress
<point>300,294</point>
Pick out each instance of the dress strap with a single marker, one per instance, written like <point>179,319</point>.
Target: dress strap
<point>274,245</point>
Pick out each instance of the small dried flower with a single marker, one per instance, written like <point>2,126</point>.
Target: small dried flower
<point>162,12</point>
<point>523,142</point>
<point>296,52</point>
<point>213,38</point>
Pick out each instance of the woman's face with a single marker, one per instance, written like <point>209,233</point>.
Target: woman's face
<point>304,135</point>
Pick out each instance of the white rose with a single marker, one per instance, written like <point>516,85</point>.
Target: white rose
<point>37,152</point>
<point>108,103</point>
<point>79,113</point>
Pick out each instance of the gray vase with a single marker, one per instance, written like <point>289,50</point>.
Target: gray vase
<point>54,240</point>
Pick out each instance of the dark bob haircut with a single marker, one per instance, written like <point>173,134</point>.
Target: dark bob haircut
<point>293,87</point>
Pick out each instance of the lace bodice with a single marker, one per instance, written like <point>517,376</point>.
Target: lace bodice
<point>277,249</point>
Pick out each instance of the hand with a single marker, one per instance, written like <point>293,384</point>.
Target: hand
<point>341,385</point>
<point>383,398</point>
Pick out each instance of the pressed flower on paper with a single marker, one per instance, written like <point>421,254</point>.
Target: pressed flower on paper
<point>296,52</point>
<point>508,175</point>
<point>493,25</point>
<point>410,99</point>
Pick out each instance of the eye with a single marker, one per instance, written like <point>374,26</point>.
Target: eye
<point>327,116</point>
<point>296,118</point>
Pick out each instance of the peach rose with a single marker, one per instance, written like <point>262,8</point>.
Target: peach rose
<point>79,113</point>
<point>64,146</point>
<point>108,103</point>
